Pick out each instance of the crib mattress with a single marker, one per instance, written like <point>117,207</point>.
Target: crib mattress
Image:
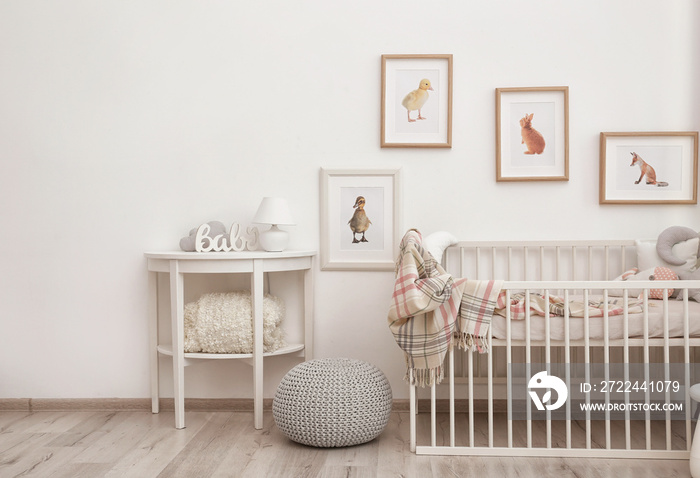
<point>635,328</point>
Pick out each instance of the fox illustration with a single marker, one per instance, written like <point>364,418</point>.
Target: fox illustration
<point>647,171</point>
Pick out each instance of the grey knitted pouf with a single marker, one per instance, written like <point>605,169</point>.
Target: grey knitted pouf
<point>332,402</point>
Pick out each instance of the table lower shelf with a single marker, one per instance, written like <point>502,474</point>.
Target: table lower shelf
<point>291,348</point>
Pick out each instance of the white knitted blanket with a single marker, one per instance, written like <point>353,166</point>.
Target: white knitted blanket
<point>223,323</point>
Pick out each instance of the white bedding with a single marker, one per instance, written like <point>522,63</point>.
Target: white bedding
<point>616,324</point>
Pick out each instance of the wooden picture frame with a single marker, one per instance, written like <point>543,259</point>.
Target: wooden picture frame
<point>649,168</point>
<point>532,134</point>
<point>416,113</point>
<point>374,248</point>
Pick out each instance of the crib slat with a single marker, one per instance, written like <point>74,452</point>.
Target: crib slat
<point>667,369</point>
<point>412,413</point>
<point>509,274</point>
<point>509,378</point>
<point>590,263</point>
<point>548,358</point>
<point>493,263</point>
<point>433,421</point>
<point>470,373</point>
<point>626,359</point>
<point>686,353</point>
<point>452,396</point>
<point>477,262</point>
<point>490,389</point>
<point>567,361</point>
<point>528,360</point>
<point>525,250</point>
<point>647,420</point>
<point>587,361</point>
<point>606,359</point>
<point>557,261</point>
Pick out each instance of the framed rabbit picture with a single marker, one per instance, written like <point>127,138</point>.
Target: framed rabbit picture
<point>532,134</point>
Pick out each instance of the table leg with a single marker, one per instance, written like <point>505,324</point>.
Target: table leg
<point>177,317</point>
<point>309,313</point>
<point>153,338</point>
<point>256,294</point>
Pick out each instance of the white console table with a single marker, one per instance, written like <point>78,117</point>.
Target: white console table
<point>176,264</point>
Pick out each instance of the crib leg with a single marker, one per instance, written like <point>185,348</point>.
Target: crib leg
<point>695,454</point>
<point>695,447</point>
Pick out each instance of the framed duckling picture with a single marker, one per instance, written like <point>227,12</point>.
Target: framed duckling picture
<point>359,219</point>
<point>532,134</point>
<point>416,101</point>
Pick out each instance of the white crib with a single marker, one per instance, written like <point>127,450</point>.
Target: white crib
<point>467,411</point>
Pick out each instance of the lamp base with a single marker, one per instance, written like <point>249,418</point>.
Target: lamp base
<point>274,239</point>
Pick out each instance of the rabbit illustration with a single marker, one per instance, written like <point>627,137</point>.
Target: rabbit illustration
<point>531,137</point>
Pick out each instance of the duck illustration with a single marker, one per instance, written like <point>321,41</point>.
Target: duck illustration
<point>416,99</point>
<point>359,222</point>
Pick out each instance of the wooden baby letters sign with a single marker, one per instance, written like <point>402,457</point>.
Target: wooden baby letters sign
<point>234,241</point>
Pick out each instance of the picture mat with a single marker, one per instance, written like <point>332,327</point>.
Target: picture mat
<point>339,187</point>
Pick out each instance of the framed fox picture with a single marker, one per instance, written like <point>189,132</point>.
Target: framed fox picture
<point>649,168</point>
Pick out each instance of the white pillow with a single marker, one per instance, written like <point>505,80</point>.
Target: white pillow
<point>437,242</point>
<point>647,257</point>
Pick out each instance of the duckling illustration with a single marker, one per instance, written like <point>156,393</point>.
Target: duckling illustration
<point>416,99</point>
<point>359,222</point>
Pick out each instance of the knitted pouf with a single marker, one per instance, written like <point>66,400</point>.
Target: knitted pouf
<point>332,402</point>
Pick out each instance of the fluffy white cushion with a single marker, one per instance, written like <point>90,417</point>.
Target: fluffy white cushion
<point>648,258</point>
<point>222,323</point>
<point>437,242</point>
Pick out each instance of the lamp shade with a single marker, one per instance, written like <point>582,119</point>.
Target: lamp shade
<point>273,211</point>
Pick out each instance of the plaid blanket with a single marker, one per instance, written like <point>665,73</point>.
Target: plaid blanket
<point>557,306</point>
<point>430,309</point>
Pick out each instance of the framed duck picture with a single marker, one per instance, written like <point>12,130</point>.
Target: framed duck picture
<point>416,101</point>
<point>359,219</point>
<point>532,134</point>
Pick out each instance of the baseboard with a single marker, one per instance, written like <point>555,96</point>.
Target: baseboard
<point>206,404</point>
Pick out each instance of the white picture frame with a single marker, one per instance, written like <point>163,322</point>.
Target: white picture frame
<point>340,189</point>
<point>548,108</point>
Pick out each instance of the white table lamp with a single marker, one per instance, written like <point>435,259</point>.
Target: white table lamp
<point>274,211</point>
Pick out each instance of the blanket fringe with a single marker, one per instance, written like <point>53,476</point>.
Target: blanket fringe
<point>470,342</point>
<point>424,377</point>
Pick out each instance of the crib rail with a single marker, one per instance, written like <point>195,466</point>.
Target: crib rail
<point>480,385</point>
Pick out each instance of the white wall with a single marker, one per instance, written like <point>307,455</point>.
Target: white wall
<point>125,123</point>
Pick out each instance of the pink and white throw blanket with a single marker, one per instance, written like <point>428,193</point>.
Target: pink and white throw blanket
<point>577,307</point>
<point>430,309</point>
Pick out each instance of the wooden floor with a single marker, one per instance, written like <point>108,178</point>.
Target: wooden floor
<point>225,444</point>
